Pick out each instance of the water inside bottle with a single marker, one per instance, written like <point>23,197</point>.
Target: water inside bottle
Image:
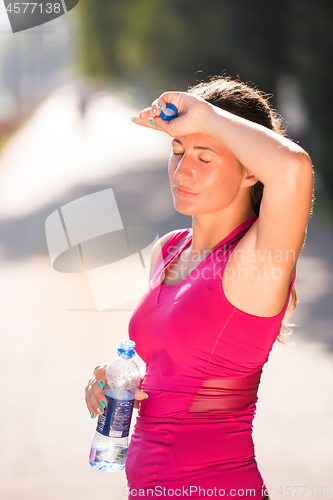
<point>107,459</point>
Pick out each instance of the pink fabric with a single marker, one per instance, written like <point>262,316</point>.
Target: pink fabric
<point>204,360</point>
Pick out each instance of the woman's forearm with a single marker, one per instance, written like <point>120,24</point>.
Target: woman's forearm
<point>269,156</point>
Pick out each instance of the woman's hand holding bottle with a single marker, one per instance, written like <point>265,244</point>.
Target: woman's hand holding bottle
<point>94,394</point>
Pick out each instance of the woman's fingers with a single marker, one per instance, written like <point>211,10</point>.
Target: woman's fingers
<point>147,122</point>
<point>146,113</point>
<point>158,105</point>
<point>173,97</point>
<point>97,387</point>
<point>94,394</point>
<point>99,373</point>
<point>155,109</point>
<point>192,113</point>
<point>139,393</point>
<point>147,116</point>
<point>95,400</point>
<point>94,406</point>
<point>139,396</point>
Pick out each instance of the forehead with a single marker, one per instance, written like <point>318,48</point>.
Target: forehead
<point>201,141</point>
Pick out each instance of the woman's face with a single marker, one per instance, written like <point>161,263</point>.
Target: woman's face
<point>203,166</point>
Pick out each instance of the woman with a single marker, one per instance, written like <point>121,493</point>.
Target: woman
<point>217,294</point>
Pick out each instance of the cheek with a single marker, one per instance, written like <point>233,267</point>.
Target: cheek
<point>220,185</point>
<point>214,179</point>
<point>229,177</point>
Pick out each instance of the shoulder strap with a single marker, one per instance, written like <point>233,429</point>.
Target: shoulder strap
<point>173,240</point>
<point>167,252</point>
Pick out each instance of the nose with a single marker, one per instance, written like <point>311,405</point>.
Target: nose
<point>184,169</point>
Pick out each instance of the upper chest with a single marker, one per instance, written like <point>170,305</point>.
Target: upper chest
<point>252,287</point>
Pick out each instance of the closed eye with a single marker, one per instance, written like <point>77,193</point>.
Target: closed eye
<point>181,154</point>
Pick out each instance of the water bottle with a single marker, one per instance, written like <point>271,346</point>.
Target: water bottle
<point>122,378</point>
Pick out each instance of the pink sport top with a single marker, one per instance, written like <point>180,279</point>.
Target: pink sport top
<point>204,359</point>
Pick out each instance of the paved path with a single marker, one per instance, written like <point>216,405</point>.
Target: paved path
<point>52,335</point>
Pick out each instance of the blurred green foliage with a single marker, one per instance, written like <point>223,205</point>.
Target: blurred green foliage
<point>160,45</point>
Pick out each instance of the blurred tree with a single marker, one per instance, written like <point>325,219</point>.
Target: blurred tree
<point>311,61</point>
<point>165,44</point>
<point>161,43</point>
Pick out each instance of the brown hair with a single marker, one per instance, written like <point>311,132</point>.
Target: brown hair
<point>247,102</point>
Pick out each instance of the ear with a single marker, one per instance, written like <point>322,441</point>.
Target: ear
<point>249,179</point>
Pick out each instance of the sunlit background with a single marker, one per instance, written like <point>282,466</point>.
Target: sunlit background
<point>68,89</point>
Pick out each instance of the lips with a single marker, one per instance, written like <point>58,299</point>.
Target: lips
<point>184,190</point>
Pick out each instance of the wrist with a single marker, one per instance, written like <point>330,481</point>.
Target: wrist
<point>208,119</point>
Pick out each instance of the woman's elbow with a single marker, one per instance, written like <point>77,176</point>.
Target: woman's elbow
<point>299,170</point>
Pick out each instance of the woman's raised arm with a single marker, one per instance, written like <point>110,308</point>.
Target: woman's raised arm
<point>282,166</point>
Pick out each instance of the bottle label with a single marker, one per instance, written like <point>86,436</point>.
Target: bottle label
<point>116,419</point>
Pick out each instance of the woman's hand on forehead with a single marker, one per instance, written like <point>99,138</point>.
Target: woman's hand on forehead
<point>190,119</point>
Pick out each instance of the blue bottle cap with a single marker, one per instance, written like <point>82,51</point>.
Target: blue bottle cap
<point>127,348</point>
<point>169,113</point>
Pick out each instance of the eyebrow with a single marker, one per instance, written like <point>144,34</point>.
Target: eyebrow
<point>196,147</point>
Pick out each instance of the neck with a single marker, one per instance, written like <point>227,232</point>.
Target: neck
<point>209,231</point>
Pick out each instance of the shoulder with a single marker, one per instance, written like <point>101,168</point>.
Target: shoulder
<point>158,245</point>
<point>255,280</point>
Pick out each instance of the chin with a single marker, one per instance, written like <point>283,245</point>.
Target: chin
<point>183,210</point>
